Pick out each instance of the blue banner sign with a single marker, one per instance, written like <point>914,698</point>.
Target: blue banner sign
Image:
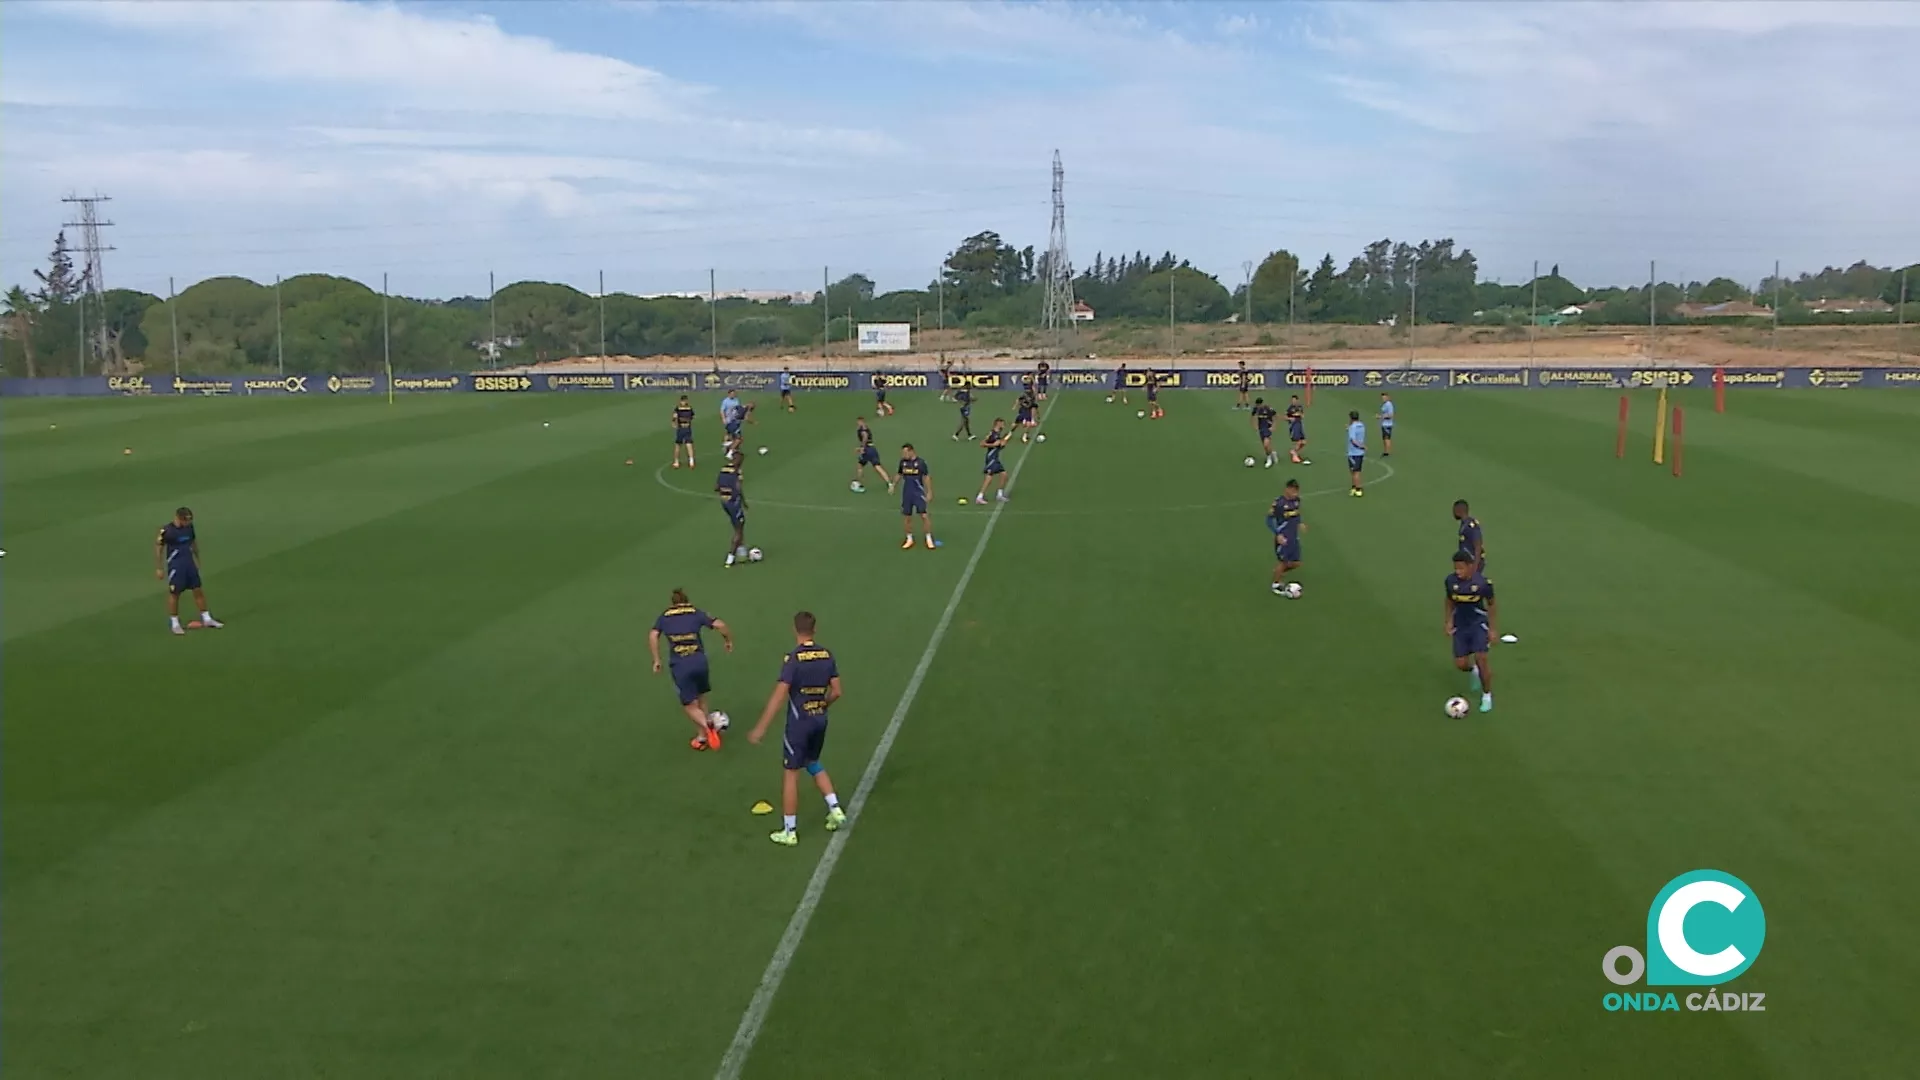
<point>1291,380</point>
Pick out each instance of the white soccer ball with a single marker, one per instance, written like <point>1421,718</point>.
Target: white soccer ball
<point>755,554</point>
<point>1142,414</point>
<point>1293,590</point>
<point>1109,399</point>
<point>855,486</point>
<point>719,721</point>
<point>1457,707</point>
<point>1248,463</point>
<point>763,450</point>
<point>1039,438</point>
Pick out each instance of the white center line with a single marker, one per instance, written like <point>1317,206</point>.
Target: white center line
<point>755,1017</point>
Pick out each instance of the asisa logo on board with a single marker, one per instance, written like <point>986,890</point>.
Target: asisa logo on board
<point>1704,930</point>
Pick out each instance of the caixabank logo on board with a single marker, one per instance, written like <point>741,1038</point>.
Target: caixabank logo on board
<point>661,382</point>
<point>1520,377</point>
<point>1704,928</point>
<point>1409,378</point>
<point>1835,378</point>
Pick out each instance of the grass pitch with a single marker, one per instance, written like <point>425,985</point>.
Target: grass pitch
<point>421,810</point>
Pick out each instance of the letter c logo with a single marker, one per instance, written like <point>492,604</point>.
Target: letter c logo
<point>1704,927</point>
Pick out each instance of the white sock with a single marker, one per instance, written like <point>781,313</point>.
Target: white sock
<point>793,823</point>
<point>206,616</point>
<point>833,801</point>
<point>175,620</point>
<point>729,558</point>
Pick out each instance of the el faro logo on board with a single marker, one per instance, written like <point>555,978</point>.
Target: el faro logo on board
<point>1704,929</point>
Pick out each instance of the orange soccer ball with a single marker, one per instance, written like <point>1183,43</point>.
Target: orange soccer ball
<point>194,625</point>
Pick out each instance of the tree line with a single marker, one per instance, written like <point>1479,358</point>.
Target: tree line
<point>318,323</point>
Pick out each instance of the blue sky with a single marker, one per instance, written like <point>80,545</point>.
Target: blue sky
<point>653,141</point>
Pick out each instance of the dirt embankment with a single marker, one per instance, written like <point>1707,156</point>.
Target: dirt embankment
<point>1336,346</point>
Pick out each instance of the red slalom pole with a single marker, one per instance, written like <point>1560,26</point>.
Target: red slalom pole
<point>1309,386</point>
<point>1620,441</point>
<point>1719,389</point>
<point>1679,438</point>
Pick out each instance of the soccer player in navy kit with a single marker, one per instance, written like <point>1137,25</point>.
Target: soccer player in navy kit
<point>1023,415</point>
<point>1386,426</point>
<point>1297,429</point>
<point>1154,411</point>
<point>786,387</point>
<point>733,500</point>
<point>916,494</point>
<point>1242,382</point>
<point>880,406</point>
<point>683,431</point>
<point>995,442</point>
<point>1356,449</point>
<point>1045,371</point>
<point>1284,520</point>
<point>1472,623</point>
<point>1263,415</point>
<point>865,454</point>
<point>809,684</point>
<point>1470,538</point>
<point>946,379</point>
<point>681,624</point>
<point>965,397</point>
<point>176,561</point>
<point>1120,384</point>
<point>732,413</point>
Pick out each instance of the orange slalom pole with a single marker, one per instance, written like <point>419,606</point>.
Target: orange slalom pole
<point>1620,442</point>
<point>1719,389</point>
<point>1679,438</point>
<point>1309,386</point>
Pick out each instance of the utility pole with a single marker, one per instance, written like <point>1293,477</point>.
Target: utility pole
<point>1653,296</point>
<point>940,285</point>
<point>713,318</point>
<point>1058,315</point>
<point>94,275</point>
<point>279,340</point>
<point>386,339</point>
<point>1413,311</point>
<point>1248,268</point>
<point>826,317</point>
<point>1533,310</point>
<point>1170,329</point>
<point>173,316</point>
<point>1900,314</point>
<point>602,297</point>
<point>1776,305</point>
<point>493,333</point>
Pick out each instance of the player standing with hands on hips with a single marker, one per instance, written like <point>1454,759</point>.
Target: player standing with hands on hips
<point>809,684</point>
<point>176,561</point>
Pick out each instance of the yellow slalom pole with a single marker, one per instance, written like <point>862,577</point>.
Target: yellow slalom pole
<point>1660,429</point>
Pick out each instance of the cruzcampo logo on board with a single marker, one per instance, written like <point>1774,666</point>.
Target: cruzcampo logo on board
<point>1704,929</point>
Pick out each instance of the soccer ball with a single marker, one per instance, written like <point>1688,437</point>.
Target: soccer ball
<point>1109,399</point>
<point>1248,463</point>
<point>1142,414</point>
<point>855,486</point>
<point>1293,590</point>
<point>1039,438</point>
<point>763,451</point>
<point>1457,707</point>
<point>719,721</point>
<point>755,554</point>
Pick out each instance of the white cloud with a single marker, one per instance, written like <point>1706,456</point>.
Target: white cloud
<point>460,63</point>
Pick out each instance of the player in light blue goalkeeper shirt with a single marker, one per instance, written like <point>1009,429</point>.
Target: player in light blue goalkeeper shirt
<point>1386,426</point>
<point>1356,449</point>
<point>732,412</point>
